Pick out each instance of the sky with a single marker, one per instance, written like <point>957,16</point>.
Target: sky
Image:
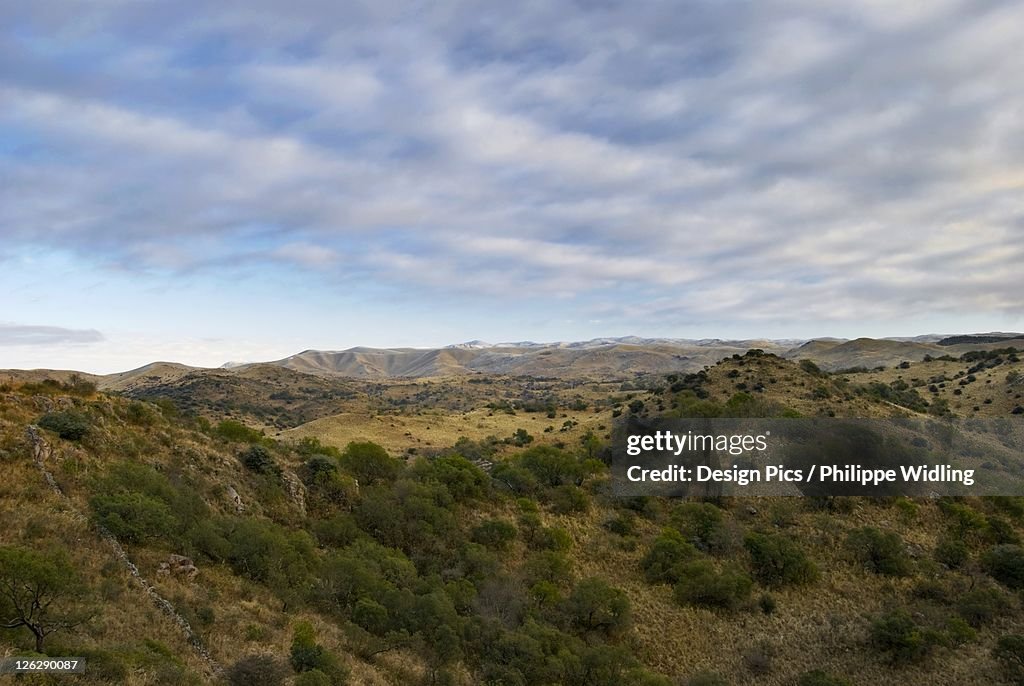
<point>204,182</point>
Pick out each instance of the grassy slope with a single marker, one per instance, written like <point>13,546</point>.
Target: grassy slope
<point>823,625</point>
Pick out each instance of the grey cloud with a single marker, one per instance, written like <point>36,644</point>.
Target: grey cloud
<point>15,334</point>
<point>694,158</point>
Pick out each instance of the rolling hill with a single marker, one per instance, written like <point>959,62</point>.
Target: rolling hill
<point>415,566</point>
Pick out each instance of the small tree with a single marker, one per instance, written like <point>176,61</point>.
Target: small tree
<point>899,637</point>
<point>521,438</point>
<point>662,562</point>
<point>69,425</point>
<point>39,591</point>
<point>880,552</point>
<point>701,584</point>
<point>595,606</point>
<point>258,459</point>
<point>133,517</point>
<point>369,463</point>
<point>1009,652</point>
<point>496,534</point>
<point>309,657</point>
<point>778,561</point>
<point>1005,563</point>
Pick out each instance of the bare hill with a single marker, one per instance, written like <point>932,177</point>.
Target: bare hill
<point>600,358</point>
<point>155,372</point>
<point>871,353</point>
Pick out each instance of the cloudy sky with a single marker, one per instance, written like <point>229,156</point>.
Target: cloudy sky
<point>243,180</point>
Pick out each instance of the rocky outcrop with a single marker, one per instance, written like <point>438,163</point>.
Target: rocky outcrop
<point>178,565</point>
<point>296,490</point>
<point>235,499</point>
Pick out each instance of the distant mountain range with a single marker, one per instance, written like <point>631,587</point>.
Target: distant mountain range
<point>625,356</point>
<point>599,358</point>
<point>590,359</point>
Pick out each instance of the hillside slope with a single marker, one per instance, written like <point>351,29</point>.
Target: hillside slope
<point>513,565</point>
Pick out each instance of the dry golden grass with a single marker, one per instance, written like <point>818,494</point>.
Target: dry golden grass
<point>34,516</point>
<point>824,625</point>
<point>989,396</point>
<point>437,429</point>
<point>248,619</point>
<point>821,626</point>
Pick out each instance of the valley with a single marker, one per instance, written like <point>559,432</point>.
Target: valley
<point>459,529</point>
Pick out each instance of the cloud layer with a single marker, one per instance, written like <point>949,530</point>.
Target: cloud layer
<point>699,162</point>
<point>11,335</point>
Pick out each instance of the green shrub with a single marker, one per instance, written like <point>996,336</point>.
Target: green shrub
<point>547,565</point>
<point>317,465</point>
<point>105,666</point>
<point>550,466</point>
<point>78,385</point>
<point>641,677</point>
<point>141,414</point>
<point>67,424</point>
<point>907,508</point>
<point>899,638</point>
<point>1000,531</point>
<point>1009,653</point>
<point>515,478</point>
<point>952,552</point>
<point>311,445</point>
<point>267,552</point>
<point>496,534</point>
<point>700,522</point>
<point>258,459</point>
<point>327,489</point>
<point>965,520</point>
<point>701,584</point>
<point>336,531</point>
<point>463,479</point>
<point>568,499</point>
<point>133,517</point>
<point>982,605</point>
<point>305,653</point>
<point>520,438</point>
<point>549,538</point>
<point>623,524</point>
<point>594,606</point>
<point>231,430</point>
<point>811,368</point>
<point>257,670</point>
<point>879,552</point>
<point>372,616</point>
<point>960,632</point>
<point>40,591</point>
<point>369,463</point>
<point>779,561</point>
<point>1005,563</point>
<point>308,656</point>
<point>662,562</point>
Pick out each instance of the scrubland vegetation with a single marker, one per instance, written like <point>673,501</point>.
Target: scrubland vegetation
<point>486,561</point>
